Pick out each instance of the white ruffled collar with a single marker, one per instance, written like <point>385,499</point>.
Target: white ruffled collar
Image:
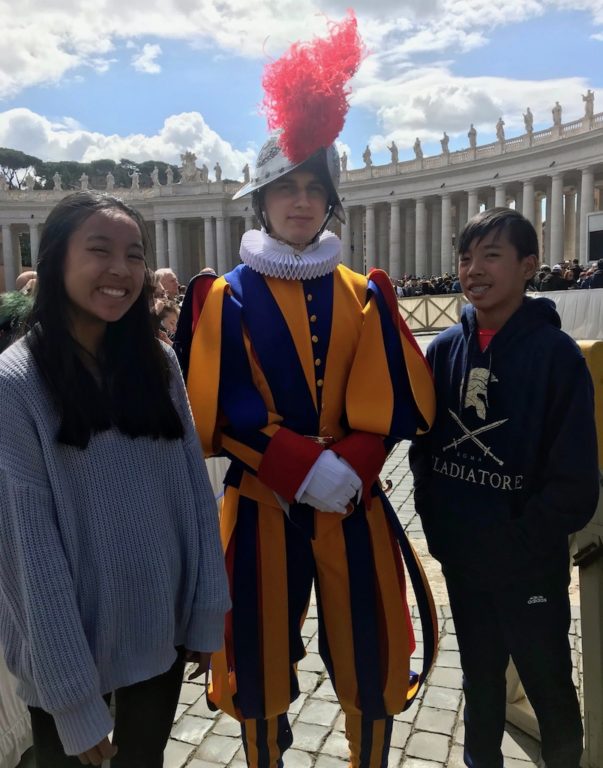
<point>273,258</point>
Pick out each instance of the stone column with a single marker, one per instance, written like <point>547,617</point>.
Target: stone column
<point>587,204</point>
<point>428,233</point>
<point>547,226</point>
<point>181,249</point>
<point>395,257</point>
<point>472,203</point>
<point>160,254</point>
<point>172,246</point>
<point>34,243</point>
<point>221,245</point>
<point>200,249</point>
<point>10,265</point>
<point>228,243</point>
<point>382,221</point>
<point>528,209</point>
<point>248,223</point>
<point>346,238</point>
<point>463,209</point>
<point>209,243</point>
<point>578,228</point>
<point>188,252</point>
<point>409,240</point>
<point>518,198</point>
<point>446,234</point>
<point>500,196</point>
<point>436,237</point>
<point>538,223</point>
<point>370,261</point>
<point>357,236</point>
<point>420,236</point>
<point>570,224</point>
<point>556,219</point>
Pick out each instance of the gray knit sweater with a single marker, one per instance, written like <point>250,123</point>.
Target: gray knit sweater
<point>109,556</point>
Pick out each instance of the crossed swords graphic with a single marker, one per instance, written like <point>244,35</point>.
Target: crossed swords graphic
<point>472,435</point>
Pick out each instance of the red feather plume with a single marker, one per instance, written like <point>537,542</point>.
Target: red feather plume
<point>305,90</point>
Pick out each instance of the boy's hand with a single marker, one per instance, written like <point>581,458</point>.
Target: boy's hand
<point>104,750</point>
<point>201,659</point>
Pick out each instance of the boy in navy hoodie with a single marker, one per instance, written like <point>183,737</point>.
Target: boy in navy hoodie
<point>507,472</point>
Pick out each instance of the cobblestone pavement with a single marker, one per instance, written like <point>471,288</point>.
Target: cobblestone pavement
<point>428,735</point>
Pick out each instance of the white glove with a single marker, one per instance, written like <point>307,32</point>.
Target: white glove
<point>330,484</point>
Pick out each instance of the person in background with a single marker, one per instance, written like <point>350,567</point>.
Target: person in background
<point>596,280</point>
<point>576,269</point>
<point>168,318</point>
<point>169,281</point>
<point>26,282</point>
<point>554,280</point>
<point>568,276</point>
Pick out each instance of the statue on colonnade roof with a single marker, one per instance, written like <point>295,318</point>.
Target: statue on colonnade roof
<point>189,171</point>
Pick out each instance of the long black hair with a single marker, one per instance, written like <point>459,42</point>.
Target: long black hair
<point>133,391</point>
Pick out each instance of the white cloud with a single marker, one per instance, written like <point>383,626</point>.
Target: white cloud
<point>425,102</point>
<point>590,6</point>
<point>66,140</point>
<point>41,43</point>
<point>50,43</point>
<point>145,60</point>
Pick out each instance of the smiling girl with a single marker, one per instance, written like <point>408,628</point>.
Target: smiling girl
<point>109,579</point>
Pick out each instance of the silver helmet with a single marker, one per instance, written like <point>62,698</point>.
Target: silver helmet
<point>272,163</point>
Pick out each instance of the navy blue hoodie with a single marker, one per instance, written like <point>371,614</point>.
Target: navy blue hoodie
<point>509,468</point>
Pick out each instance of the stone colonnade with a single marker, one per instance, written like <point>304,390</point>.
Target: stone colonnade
<point>403,217</point>
<point>186,245</point>
<point>419,235</point>
<point>403,235</point>
<point>11,247</point>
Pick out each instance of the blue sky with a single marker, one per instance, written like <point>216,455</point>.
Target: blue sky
<point>158,77</point>
<point>122,100</point>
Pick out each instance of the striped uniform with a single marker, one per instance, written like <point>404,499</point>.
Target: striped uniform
<point>273,365</point>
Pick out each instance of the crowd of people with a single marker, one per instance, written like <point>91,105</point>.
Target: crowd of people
<point>568,275</point>
<point>115,569</point>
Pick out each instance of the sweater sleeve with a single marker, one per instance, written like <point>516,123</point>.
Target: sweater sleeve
<point>40,625</point>
<point>205,631</point>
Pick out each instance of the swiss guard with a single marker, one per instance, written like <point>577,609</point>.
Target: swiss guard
<point>304,375</point>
